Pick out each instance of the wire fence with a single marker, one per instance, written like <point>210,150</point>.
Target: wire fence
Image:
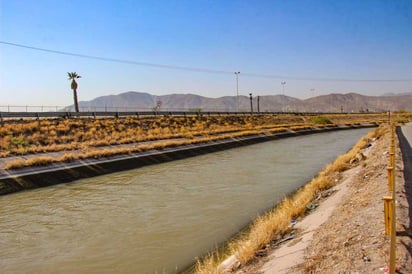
<point>44,108</point>
<point>27,108</point>
<point>14,111</point>
<point>12,108</point>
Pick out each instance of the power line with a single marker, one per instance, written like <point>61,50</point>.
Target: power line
<point>116,60</point>
<point>205,70</point>
<point>325,79</point>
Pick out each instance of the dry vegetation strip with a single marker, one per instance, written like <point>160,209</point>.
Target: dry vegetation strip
<point>275,223</point>
<point>21,137</point>
<point>99,153</point>
<point>91,138</point>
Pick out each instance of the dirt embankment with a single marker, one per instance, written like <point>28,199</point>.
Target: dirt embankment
<point>346,233</point>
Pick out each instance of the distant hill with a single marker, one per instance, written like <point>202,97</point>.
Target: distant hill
<point>351,102</point>
<point>397,94</point>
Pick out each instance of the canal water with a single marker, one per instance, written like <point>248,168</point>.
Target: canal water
<point>157,219</point>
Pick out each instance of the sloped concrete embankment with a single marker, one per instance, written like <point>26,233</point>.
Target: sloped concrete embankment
<point>35,177</point>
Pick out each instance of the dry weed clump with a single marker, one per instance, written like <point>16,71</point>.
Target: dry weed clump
<point>208,264</point>
<point>275,223</point>
<point>38,161</point>
<point>342,163</point>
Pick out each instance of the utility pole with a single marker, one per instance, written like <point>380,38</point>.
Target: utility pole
<point>237,90</point>
<point>258,104</point>
<point>251,102</point>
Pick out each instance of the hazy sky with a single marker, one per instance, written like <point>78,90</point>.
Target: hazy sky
<point>305,43</point>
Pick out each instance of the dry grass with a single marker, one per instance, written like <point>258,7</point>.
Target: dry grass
<point>19,137</point>
<point>275,223</point>
<point>22,137</point>
<point>108,152</point>
<point>38,161</point>
<point>209,263</point>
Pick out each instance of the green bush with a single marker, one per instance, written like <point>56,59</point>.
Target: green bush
<point>321,120</point>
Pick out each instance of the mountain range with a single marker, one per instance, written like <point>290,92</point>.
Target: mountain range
<point>350,102</point>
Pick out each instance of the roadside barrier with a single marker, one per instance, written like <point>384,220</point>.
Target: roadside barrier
<point>390,203</point>
<point>123,112</point>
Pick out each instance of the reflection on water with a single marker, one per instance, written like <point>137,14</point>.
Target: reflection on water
<point>157,218</point>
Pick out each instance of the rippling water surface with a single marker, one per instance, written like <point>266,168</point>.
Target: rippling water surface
<point>156,219</point>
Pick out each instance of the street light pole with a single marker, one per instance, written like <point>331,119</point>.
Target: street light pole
<point>251,103</point>
<point>237,90</point>
<point>313,92</point>
<point>283,87</point>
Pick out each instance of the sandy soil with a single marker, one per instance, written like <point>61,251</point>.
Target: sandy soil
<point>346,232</point>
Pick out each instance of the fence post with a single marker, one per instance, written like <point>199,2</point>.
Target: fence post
<point>390,178</point>
<point>387,205</point>
<point>392,258</point>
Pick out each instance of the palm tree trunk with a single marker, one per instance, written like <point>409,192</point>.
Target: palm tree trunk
<point>76,104</point>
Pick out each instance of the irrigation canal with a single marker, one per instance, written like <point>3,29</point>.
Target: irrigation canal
<point>158,218</point>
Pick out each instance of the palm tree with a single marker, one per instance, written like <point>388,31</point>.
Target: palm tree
<point>73,76</point>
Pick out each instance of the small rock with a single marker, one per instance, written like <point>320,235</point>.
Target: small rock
<point>293,223</point>
<point>366,259</point>
<point>261,253</point>
<point>311,206</point>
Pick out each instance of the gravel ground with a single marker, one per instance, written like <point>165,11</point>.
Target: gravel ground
<point>352,239</point>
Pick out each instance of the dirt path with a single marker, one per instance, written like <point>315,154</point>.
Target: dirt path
<point>346,233</point>
<point>285,258</point>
